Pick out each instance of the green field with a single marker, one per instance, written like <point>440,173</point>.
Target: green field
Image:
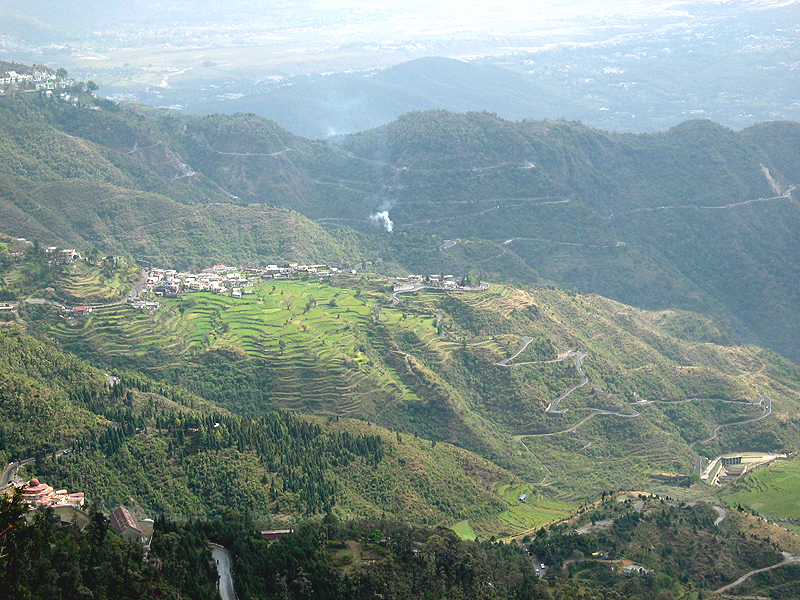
<point>531,513</point>
<point>464,531</point>
<point>772,491</point>
<point>317,339</point>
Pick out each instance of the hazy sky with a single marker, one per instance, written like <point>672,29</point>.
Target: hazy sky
<point>510,13</point>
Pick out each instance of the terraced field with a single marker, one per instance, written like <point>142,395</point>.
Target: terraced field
<point>530,513</point>
<point>312,335</point>
<point>431,366</point>
<point>773,491</point>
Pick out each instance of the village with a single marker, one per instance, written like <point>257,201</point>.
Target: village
<point>236,282</point>
<point>50,84</point>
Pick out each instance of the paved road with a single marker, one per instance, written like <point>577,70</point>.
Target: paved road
<point>135,290</point>
<point>223,560</point>
<point>722,514</point>
<point>785,196</point>
<point>525,342</point>
<point>552,408</point>
<point>788,559</point>
<point>11,469</point>
<point>767,412</point>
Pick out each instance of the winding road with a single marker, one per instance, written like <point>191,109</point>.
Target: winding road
<point>525,342</point>
<point>788,559</point>
<point>222,557</point>
<point>767,412</point>
<point>135,290</point>
<point>785,196</point>
<point>552,408</point>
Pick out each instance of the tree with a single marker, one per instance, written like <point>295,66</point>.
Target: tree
<point>91,86</point>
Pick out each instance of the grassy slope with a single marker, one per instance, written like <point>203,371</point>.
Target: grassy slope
<point>340,350</point>
<point>773,491</point>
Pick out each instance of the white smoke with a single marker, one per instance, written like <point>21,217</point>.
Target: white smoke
<point>383,219</point>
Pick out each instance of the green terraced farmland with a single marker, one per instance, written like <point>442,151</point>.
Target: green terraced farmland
<point>773,491</point>
<point>530,513</point>
<point>464,531</point>
<point>311,337</point>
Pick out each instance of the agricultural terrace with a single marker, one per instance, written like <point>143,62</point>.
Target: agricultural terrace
<point>318,340</point>
<point>773,491</point>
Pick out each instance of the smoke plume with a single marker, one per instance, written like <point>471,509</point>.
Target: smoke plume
<point>383,219</point>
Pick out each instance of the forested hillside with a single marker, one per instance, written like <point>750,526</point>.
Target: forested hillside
<point>174,453</point>
<point>698,217</point>
<point>601,394</point>
<point>110,179</point>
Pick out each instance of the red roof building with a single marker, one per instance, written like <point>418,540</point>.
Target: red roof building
<point>276,534</point>
<point>124,523</point>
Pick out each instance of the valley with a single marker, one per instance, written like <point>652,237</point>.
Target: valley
<point>341,347</point>
<point>414,364</point>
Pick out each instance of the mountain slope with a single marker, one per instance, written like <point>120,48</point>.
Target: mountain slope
<point>570,391</point>
<point>698,217</point>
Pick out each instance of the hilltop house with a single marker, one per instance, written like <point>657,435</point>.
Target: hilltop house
<point>276,534</point>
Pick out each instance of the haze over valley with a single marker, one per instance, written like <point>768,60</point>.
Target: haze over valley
<point>359,300</point>
<point>321,69</point>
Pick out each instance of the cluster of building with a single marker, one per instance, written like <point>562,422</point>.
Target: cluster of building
<point>443,280</point>
<point>62,255</point>
<point>222,279</point>
<point>38,80</point>
<point>634,569</point>
<point>40,495</point>
<point>77,312</point>
<point>68,508</point>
